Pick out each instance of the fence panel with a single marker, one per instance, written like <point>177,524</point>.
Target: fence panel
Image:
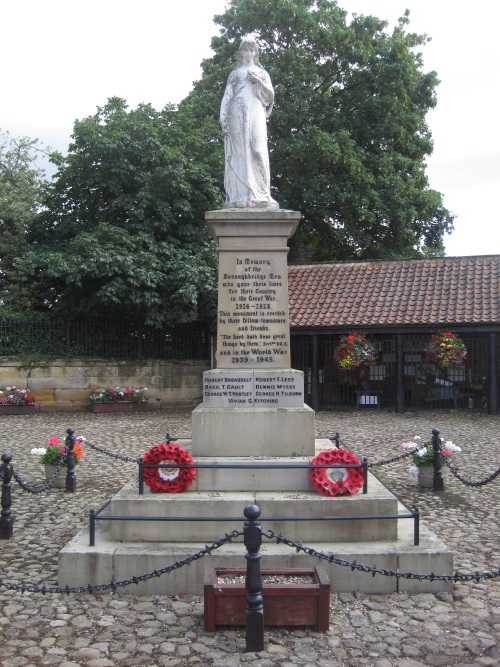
<point>102,339</point>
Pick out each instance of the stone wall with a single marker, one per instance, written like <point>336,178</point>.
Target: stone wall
<point>65,384</point>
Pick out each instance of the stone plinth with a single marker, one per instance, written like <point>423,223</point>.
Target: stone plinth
<point>253,431</point>
<point>252,319</point>
<point>253,403</point>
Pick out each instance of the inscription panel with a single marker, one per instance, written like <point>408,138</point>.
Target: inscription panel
<point>252,319</point>
<point>259,389</point>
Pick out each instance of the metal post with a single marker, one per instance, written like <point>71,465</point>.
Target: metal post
<point>141,476</point>
<point>92,528</point>
<point>6,522</point>
<point>315,374</point>
<point>438,476</point>
<point>400,378</point>
<point>416,527</point>
<point>70,461</point>
<point>365,475</point>
<point>492,375</point>
<point>252,538</point>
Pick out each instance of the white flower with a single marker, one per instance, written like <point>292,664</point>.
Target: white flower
<point>417,438</point>
<point>81,438</point>
<point>422,452</point>
<point>451,447</point>
<point>38,451</point>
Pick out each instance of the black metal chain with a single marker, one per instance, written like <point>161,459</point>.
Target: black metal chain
<point>113,585</point>
<point>469,482</point>
<point>44,487</point>
<point>127,459</point>
<point>280,539</point>
<point>114,455</point>
<point>392,460</point>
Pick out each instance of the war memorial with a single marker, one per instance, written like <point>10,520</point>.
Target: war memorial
<point>253,418</point>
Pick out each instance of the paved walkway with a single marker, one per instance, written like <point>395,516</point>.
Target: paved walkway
<point>458,629</point>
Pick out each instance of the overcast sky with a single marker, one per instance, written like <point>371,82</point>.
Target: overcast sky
<point>63,58</point>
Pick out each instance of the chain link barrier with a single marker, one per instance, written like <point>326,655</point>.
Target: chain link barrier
<point>469,482</point>
<point>113,585</point>
<point>298,546</point>
<point>38,489</point>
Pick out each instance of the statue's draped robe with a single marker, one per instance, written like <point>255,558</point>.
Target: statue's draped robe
<point>244,111</point>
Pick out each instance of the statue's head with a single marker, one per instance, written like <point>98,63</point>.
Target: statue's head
<point>248,43</point>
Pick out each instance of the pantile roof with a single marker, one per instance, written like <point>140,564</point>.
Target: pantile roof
<point>440,290</point>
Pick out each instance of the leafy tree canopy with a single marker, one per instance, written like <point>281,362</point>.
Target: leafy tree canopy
<point>123,233</point>
<point>348,137</point>
<point>21,182</point>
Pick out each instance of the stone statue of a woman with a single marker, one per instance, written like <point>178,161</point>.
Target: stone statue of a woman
<point>246,106</point>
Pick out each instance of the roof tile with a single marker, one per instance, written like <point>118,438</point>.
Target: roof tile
<point>438,290</point>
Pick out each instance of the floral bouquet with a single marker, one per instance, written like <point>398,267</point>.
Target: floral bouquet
<point>447,350</point>
<point>355,351</point>
<point>56,452</point>
<point>14,396</point>
<point>115,394</point>
<point>423,454</point>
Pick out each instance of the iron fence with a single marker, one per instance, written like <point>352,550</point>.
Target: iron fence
<point>102,339</point>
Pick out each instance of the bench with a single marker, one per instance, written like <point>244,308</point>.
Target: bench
<point>443,394</point>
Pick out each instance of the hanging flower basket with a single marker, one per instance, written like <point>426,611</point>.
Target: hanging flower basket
<point>446,350</point>
<point>168,480</point>
<point>355,352</point>
<point>336,481</point>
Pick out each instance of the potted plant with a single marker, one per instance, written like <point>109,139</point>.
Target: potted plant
<point>117,399</point>
<point>446,350</point>
<point>54,456</point>
<point>423,459</point>
<point>14,401</point>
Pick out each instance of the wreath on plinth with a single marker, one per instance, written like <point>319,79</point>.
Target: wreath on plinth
<point>168,480</point>
<point>336,481</point>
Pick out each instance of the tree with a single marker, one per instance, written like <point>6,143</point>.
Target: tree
<point>123,233</point>
<point>21,182</point>
<point>348,137</point>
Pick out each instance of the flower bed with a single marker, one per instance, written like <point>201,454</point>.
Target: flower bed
<point>118,395</point>
<point>119,406</point>
<point>14,401</point>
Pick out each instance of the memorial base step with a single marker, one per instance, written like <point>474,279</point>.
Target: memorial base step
<point>110,560</point>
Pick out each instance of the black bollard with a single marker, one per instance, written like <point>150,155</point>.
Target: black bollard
<point>438,475</point>
<point>6,522</point>
<point>70,461</point>
<point>252,537</point>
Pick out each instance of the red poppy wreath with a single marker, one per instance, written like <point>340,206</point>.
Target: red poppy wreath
<point>168,480</point>
<point>336,481</point>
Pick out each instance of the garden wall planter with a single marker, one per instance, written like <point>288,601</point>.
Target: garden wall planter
<point>17,409</point>
<point>119,406</point>
<point>285,604</point>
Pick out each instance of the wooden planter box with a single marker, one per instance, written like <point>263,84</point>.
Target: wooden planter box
<point>285,604</point>
<point>119,406</point>
<point>17,409</point>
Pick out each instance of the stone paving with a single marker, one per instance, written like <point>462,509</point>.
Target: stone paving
<point>447,629</point>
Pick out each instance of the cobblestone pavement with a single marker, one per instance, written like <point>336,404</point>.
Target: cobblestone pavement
<point>398,630</point>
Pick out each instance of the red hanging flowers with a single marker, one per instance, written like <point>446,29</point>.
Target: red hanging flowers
<point>447,350</point>
<point>355,352</point>
<point>336,481</point>
<point>168,480</point>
